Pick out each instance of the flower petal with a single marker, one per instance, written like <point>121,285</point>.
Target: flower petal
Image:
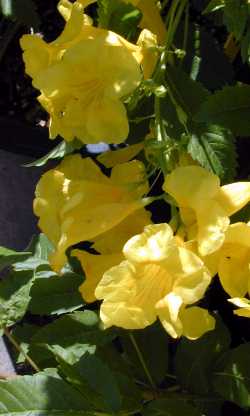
<point>151,245</point>
<point>196,321</point>
<point>94,267</point>
<point>126,299</point>
<point>111,125</point>
<point>114,157</point>
<point>131,175</point>
<point>191,184</point>
<point>113,240</point>
<point>234,276</point>
<point>168,311</point>
<point>212,224</point>
<point>36,54</point>
<point>233,197</point>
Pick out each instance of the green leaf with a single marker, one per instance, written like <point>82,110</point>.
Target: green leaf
<point>56,295</point>
<point>194,360</point>
<point>40,247</point>
<point>41,395</point>
<point>213,6</point>
<point>23,11</point>
<point>78,327</point>
<point>8,256</point>
<point>232,376</point>
<point>229,108</point>
<point>61,150</point>
<point>23,335</point>
<point>155,339</point>
<point>119,17</point>
<point>235,16</point>
<point>96,380</point>
<point>14,296</point>
<point>184,91</point>
<point>170,407</point>
<point>214,148</point>
<point>205,59</point>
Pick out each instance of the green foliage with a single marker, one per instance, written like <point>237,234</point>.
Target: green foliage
<point>8,257</point>
<point>96,380</point>
<point>155,339</point>
<point>194,360</point>
<point>23,334</point>
<point>214,148</point>
<point>41,395</point>
<point>61,150</point>
<point>231,375</point>
<point>56,295</point>
<point>119,17</point>
<point>24,12</point>
<point>14,296</point>
<point>229,108</point>
<point>214,5</point>
<point>71,329</point>
<point>40,247</point>
<point>171,407</point>
<point>236,16</point>
<point>187,94</point>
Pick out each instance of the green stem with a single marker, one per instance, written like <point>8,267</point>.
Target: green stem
<point>19,349</point>
<point>142,361</point>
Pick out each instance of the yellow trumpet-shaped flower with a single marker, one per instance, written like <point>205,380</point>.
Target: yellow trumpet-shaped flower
<point>158,278</point>
<point>205,206</point>
<point>77,202</point>
<point>83,76</point>
<point>109,246</point>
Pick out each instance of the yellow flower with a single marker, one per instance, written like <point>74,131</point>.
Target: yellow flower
<point>158,278</point>
<point>244,306</point>
<point>205,207</point>
<point>83,76</point>
<point>77,202</point>
<point>109,246</point>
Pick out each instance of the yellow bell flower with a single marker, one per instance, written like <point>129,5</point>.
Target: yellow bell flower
<point>244,306</point>
<point>158,278</point>
<point>205,206</point>
<point>76,202</point>
<point>109,246</point>
<point>83,76</point>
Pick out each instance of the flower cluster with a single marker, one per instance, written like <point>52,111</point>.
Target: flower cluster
<point>143,271</point>
<point>86,71</point>
<point>140,271</point>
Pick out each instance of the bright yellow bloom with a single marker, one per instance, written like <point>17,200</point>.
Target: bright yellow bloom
<point>110,246</point>
<point>205,207</point>
<point>83,76</point>
<point>158,278</point>
<point>244,306</point>
<point>77,202</point>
